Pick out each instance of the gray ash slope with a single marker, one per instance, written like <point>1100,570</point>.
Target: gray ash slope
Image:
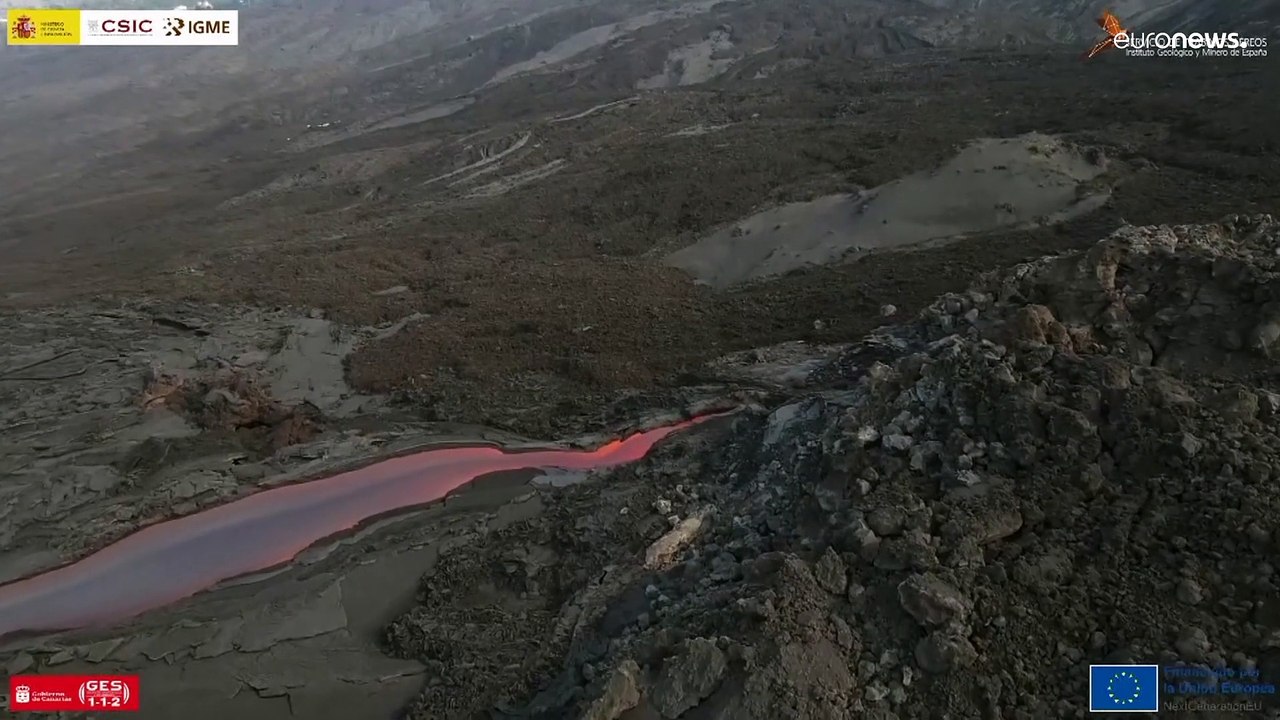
<point>299,65</point>
<point>1072,462</point>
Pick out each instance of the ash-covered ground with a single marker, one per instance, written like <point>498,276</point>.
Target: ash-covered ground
<point>1072,462</point>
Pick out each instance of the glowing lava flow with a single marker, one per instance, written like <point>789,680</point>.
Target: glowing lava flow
<point>173,560</point>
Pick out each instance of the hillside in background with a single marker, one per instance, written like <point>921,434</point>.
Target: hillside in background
<point>351,60</point>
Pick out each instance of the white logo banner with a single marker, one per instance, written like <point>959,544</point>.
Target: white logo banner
<point>159,27</point>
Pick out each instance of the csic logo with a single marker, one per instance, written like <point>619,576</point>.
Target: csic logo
<point>121,27</point>
<point>24,28</point>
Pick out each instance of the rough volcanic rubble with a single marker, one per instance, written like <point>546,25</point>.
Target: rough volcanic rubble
<point>1071,463</point>
<point>219,396</point>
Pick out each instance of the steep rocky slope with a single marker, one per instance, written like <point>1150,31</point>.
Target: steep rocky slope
<point>1072,462</point>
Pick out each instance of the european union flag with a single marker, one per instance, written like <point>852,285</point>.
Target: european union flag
<point>1124,688</point>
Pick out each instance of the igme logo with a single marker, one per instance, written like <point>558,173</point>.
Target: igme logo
<point>175,27</point>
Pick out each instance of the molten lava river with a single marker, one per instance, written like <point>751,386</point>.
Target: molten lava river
<point>169,561</point>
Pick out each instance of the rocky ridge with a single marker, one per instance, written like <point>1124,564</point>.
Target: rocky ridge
<point>1072,462</point>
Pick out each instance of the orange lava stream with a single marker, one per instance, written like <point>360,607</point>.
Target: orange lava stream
<point>173,560</point>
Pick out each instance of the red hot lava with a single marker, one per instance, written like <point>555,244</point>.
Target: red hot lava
<point>173,560</point>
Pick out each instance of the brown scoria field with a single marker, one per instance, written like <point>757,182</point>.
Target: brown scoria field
<point>563,283</point>
<point>1072,462</point>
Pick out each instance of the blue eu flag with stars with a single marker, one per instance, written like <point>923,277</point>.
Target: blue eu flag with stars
<point>1124,688</point>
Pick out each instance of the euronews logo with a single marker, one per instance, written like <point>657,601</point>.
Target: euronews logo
<point>1190,44</point>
